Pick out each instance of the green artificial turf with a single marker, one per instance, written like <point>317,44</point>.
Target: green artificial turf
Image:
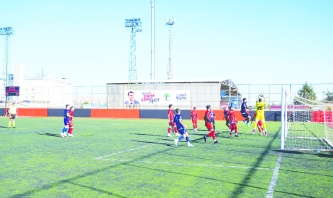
<point>135,158</point>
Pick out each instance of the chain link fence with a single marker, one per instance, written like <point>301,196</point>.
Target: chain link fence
<point>98,96</point>
<point>272,92</point>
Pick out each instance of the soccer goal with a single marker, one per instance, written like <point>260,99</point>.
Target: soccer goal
<point>305,124</point>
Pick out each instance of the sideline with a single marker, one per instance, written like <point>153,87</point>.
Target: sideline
<point>274,179</point>
<point>125,151</point>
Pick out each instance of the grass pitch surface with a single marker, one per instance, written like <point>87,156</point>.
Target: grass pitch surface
<point>135,158</point>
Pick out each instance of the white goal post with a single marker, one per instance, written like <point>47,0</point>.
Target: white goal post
<point>307,125</point>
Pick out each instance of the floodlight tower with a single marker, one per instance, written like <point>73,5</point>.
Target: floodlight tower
<point>135,25</point>
<point>152,61</point>
<point>6,31</point>
<point>170,23</point>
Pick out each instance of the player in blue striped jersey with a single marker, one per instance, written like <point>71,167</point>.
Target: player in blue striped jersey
<point>225,113</point>
<point>244,113</point>
<point>181,128</point>
<point>212,117</point>
<point>66,122</point>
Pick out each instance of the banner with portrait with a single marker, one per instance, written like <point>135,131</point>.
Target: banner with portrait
<point>157,97</point>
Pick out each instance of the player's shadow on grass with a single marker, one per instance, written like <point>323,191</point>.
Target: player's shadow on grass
<point>197,134</point>
<point>325,155</point>
<point>150,142</point>
<point>221,134</point>
<point>328,155</point>
<point>145,134</point>
<point>289,152</point>
<point>167,140</point>
<point>217,134</point>
<point>3,127</point>
<point>96,189</point>
<point>49,134</point>
<point>197,129</point>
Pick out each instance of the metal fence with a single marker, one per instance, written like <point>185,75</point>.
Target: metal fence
<point>272,92</point>
<point>98,96</point>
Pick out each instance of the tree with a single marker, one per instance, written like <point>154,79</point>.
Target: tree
<point>166,96</point>
<point>306,92</point>
<point>329,96</point>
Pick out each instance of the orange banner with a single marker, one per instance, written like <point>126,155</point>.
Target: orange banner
<point>33,112</point>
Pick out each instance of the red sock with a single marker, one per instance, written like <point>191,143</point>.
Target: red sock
<point>175,130</point>
<point>70,130</point>
<point>169,130</point>
<point>212,134</point>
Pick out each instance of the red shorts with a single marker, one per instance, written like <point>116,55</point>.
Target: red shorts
<point>233,126</point>
<point>209,126</point>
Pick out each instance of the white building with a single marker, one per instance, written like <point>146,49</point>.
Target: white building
<point>43,91</point>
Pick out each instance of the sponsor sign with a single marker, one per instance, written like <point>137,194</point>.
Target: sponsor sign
<point>289,107</point>
<point>157,97</point>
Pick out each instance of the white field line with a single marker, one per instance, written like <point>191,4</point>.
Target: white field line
<point>181,164</point>
<point>274,179</point>
<point>125,151</point>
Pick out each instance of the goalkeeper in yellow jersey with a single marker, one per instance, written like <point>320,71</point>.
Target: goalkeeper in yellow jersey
<point>260,114</point>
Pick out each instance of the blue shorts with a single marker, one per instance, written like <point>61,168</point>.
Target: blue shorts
<point>66,121</point>
<point>245,115</point>
<point>182,131</point>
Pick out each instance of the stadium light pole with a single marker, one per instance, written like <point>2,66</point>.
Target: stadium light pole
<point>152,61</point>
<point>170,23</point>
<point>135,24</point>
<point>6,31</point>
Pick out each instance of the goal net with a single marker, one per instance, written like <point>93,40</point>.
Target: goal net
<point>306,124</point>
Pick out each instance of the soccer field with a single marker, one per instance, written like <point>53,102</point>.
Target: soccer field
<point>135,158</point>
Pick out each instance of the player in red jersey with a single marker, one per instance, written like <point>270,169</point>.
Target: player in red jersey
<point>232,122</point>
<point>70,130</point>
<point>209,125</point>
<point>194,117</point>
<point>172,125</point>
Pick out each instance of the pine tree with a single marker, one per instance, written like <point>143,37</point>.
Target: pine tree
<point>329,96</point>
<point>306,92</point>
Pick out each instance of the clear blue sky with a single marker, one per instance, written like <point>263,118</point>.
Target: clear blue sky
<point>248,41</point>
